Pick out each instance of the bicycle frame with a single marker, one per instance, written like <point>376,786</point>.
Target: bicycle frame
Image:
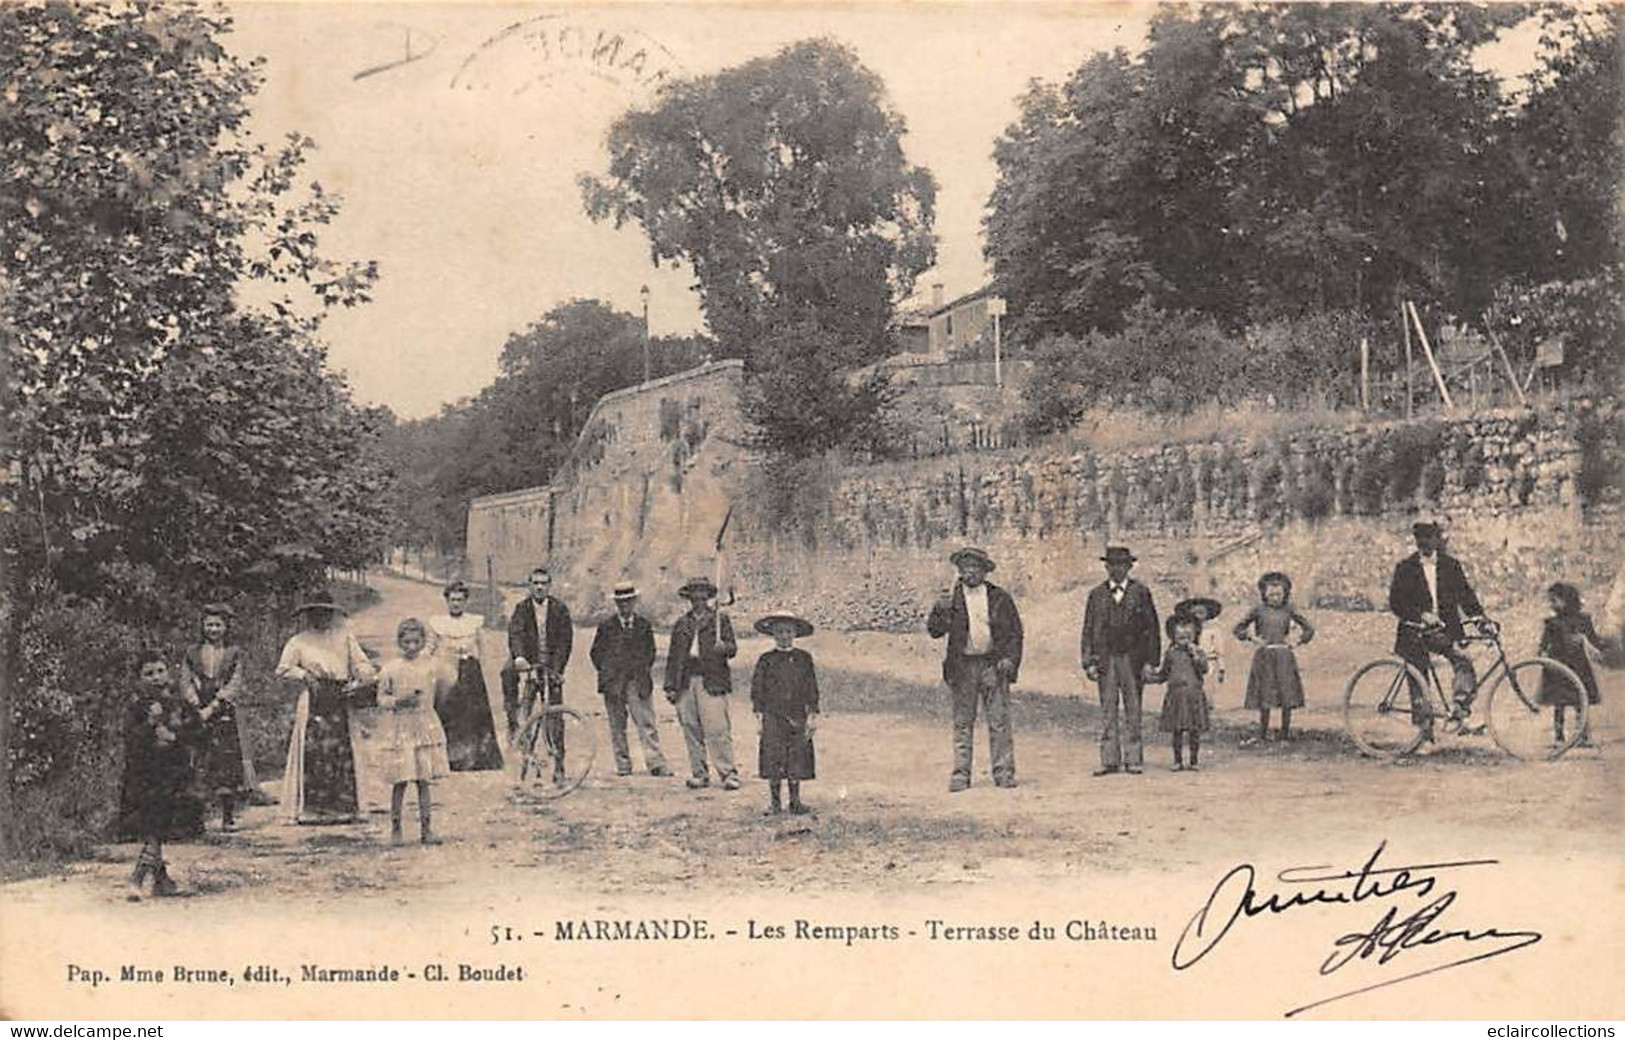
<point>1484,681</point>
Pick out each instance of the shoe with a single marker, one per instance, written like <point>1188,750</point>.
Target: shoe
<point>229,826</point>
<point>730,783</point>
<point>1179,767</point>
<point>773,810</point>
<point>624,772</point>
<point>956,785</point>
<point>1192,768</point>
<point>659,771</point>
<point>1105,771</point>
<point>164,885</point>
<point>695,783</point>
<point>1006,782</point>
<point>397,838</point>
<point>431,839</point>
<point>799,809</point>
<point>1133,770</point>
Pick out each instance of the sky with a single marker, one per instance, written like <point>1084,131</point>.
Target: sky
<point>459,168</point>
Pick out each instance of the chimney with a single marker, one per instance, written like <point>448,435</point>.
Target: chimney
<point>936,296</point>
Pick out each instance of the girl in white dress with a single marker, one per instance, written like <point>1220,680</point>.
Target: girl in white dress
<point>411,746</point>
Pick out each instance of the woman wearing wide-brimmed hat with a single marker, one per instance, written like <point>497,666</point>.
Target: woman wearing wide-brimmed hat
<point>698,682</point>
<point>319,784</point>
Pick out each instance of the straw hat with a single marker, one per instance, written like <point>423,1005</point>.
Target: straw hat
<point>765,624</point>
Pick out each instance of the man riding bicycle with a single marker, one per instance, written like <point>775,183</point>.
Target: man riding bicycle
<point>1431,597</point>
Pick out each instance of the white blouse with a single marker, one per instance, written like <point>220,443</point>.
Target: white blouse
<point>333,654</point>
<point>455,637</point>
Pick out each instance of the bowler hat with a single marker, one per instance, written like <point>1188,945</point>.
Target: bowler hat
<point>1207,603</point>
<point>698,587</point>
<point>970,552</point>
<point>625,590</point>
<point>1117,554</point>
<point>1429,527</point>
<point>765,624</point>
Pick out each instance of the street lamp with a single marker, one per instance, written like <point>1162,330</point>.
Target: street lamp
<point>996,307</point>
<point>643,294</point>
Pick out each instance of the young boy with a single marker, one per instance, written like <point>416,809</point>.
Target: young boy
<point>161,733</point>
<point>784,695</point>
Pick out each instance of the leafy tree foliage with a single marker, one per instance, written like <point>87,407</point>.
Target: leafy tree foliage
<point>782,183</point>
<point>157,421</point>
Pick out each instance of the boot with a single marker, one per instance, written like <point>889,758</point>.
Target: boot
<point>162,883</point>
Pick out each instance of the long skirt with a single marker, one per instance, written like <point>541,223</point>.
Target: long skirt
<point>158,799</point>
<point>371,786</point>
<point>222,759</point>
<point>465,716</point>
<point>1556,690</point>
<point>319,783</point>
<point>785,751</point>
<point>1274,681</point>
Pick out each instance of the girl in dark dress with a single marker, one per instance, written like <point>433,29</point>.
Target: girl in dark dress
<point>1274,681</point>
<point>212,678</point>
<point>1184,706</point>
<point>1563,638</point>
<point>162,731</point>
<point>784,695</point>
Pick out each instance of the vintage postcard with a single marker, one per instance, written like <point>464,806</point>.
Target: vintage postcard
<point>812,510</point>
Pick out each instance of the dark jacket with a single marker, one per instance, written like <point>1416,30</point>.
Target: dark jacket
<point>621,653</point>
<point>560,634</point>
<point>1130,627</point>
<point>1408,599</point>
<point>705,656</point>
<point>784,684</point>
<point>1003,622</point>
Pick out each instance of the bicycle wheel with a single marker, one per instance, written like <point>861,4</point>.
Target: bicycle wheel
<point>1520,724</point>
<point>556,751</point>
<point>1377,709</point>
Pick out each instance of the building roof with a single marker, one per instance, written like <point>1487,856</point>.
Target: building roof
<point>970,297</point>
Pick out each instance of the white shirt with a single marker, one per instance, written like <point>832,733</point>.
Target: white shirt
<point>1119,591</point>
<point>333,654</point>
<point>979,637</point>
<point>454,637</point>
<point>1430,571</point>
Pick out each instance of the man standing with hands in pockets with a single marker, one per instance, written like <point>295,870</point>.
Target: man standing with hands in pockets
<point>1122,644</point>
<point>982,660</point>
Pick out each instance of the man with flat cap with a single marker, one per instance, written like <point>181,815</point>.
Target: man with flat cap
<point>1430,595</point>
<point>982,661</point>
<point>1121,643</point>
<point>623,651</point>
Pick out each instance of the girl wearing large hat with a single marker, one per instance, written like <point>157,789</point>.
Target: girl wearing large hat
<point>319,783</point>
<point>1274,681</point>
<point>465,711</point>
<point>784,695</point>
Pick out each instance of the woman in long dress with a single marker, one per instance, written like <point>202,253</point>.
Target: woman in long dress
<point>319,784</point>
<point>465,711</point>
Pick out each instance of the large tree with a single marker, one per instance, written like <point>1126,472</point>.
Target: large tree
<point>156,421</point>
<point>1255,160</point>
<point>783,184</point>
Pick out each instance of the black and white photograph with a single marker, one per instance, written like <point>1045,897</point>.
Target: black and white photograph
<point>864,510</point>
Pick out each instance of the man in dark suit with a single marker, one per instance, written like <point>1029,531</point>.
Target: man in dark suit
<point>623,651</point>
<point>539,634</point>
<point>1121,645</point>
<point>1431,597</point>
<point>983,659</point>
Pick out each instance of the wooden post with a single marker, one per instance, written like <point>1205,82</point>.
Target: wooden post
<point>1427,351</point>
<point>1405,323</point>
<point>1365,374</point>
<point>491,588</point>
<point>1512,375</point>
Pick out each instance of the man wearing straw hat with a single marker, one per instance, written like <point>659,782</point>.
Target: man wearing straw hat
<point>698,681</point>
<point>982,660</point>
<point>623,651</point>
<point>1122,641</point>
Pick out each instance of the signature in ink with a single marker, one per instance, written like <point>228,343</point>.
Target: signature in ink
<point>1237,896</point>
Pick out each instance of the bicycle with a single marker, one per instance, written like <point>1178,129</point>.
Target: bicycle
<point>547,731</point>
<point>1377,702</point>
